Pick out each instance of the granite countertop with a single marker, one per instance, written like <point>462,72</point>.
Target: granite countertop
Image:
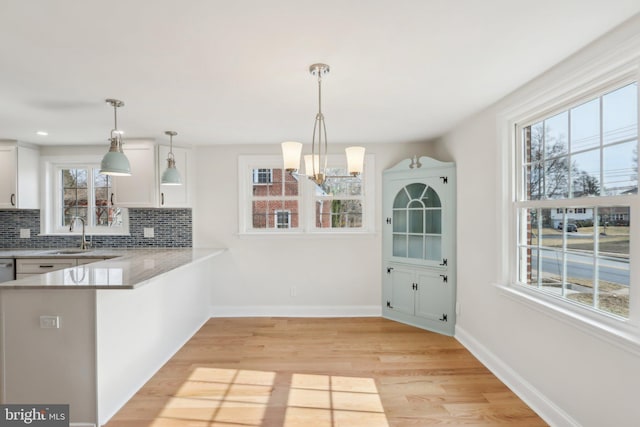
<point>125,268</point>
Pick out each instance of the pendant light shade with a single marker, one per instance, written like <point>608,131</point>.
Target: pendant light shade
<point>171,176</point>
<point>355,160</point>
<point>115,162</point>
<point>291,151</point>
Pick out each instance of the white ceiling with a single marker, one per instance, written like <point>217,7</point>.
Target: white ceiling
<point>233,72</point>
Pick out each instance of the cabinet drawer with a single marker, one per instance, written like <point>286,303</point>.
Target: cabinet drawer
<point>43,265</point>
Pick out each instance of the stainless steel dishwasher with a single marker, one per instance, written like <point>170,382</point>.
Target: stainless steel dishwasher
<point>7,269</point>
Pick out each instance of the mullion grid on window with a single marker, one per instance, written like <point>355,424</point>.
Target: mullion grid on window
<point>529,250</point>
<point>273,193</point>
<point>91,202</point>
<point>340,202</point>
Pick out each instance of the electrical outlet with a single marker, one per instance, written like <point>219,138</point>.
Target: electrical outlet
<point>458,307</point>
<point>25,233</point>
<point>50,322</point>
<point>148,232</point>
<point>293,291</point>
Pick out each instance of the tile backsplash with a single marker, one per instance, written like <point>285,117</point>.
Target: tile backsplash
<point>172,228</point>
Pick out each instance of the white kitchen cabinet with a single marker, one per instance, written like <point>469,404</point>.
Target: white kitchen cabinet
<point>175,196</point>
<point>140,189</point>
<point>19,176</point>
<point>419,244</point>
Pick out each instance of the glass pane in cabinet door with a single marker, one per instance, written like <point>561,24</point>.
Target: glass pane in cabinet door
<point>401,200</point>
<point>416,245</point>
<point>416,221</point>
<point>431,199</point>
<point>400,221</point>
<point>433,221</point>
<point>433,247</point>
<point>399,245</point>
<point>415,190</point>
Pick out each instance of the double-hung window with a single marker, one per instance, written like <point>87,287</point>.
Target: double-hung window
<point>80,191</point>
<point>275,201</point>
<point>576,196</point>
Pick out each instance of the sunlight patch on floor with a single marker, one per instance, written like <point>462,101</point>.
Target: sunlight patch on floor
<point>229,397</point>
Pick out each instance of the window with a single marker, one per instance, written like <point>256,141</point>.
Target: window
<point>577,186</point>
<point>339,201</point>
<point>262,176</point>
<point>275,201</point>
<point>274,194</point>
<point>283,219</point>
<point>81,191</point>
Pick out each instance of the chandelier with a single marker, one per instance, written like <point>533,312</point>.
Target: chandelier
<point>316,162</point>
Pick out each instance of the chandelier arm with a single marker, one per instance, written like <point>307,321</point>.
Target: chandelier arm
<point>313,149</point>
<point>326,146</point>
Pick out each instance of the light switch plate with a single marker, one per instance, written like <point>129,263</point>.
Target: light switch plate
<point>148,232</point>
<point>25,233</point>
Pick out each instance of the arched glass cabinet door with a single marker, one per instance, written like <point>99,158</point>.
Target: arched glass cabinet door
<point>417,223</point>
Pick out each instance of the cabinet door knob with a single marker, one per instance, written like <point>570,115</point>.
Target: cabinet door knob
<point>162,199</point>
<point>111,198</point>
<point>13,199</point>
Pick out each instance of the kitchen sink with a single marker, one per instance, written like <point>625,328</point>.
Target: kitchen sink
<point>68,252</point>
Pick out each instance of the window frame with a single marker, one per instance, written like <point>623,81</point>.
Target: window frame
<point>306,196</point>
<point>52,204</point>
<point>546,101</point>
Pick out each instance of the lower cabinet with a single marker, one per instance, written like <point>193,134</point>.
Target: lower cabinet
<point>26,267</point>
<point>421,297</point>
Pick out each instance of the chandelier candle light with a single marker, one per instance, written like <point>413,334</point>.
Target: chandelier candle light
<point>115,162</point>
<point>171,176</point>
<point>316,162</point>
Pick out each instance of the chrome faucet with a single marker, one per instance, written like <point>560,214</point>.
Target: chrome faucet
<point>83,243</point>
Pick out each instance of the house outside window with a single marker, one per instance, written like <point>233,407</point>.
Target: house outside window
<point>577,187</point>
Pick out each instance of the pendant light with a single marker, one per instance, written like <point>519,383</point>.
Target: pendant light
<point>171,176</point>
<point>316,162</point>
<point>115,162</point>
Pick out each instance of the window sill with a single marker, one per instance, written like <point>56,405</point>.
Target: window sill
<point>305,234</point>
<point>620,333</point>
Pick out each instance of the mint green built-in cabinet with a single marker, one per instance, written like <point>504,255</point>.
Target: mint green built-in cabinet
<point>419,244</point>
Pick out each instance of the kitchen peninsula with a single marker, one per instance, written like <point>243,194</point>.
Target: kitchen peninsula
<point>91,335</point>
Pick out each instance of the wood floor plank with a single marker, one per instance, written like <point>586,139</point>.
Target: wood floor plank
<point>315,372</point>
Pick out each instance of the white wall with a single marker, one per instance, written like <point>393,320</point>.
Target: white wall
<point>570,375</point>
<point>333,275</point>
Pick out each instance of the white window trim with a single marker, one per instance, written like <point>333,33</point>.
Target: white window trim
<point>306,197</point>
<point>49,214</point>
<point>542,98</point>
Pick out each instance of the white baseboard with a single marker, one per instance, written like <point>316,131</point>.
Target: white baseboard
<point>297,311</point>
<point>537,401</point>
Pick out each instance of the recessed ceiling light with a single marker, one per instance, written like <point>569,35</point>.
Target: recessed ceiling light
<point>42,133</point>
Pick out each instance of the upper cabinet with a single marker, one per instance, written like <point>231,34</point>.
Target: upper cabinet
<point>175,196</point>
<point>19,176</point>
<point>143,188</point>
<point>140,189</point>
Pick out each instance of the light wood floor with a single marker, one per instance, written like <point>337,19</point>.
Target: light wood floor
<point>308,372</point>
